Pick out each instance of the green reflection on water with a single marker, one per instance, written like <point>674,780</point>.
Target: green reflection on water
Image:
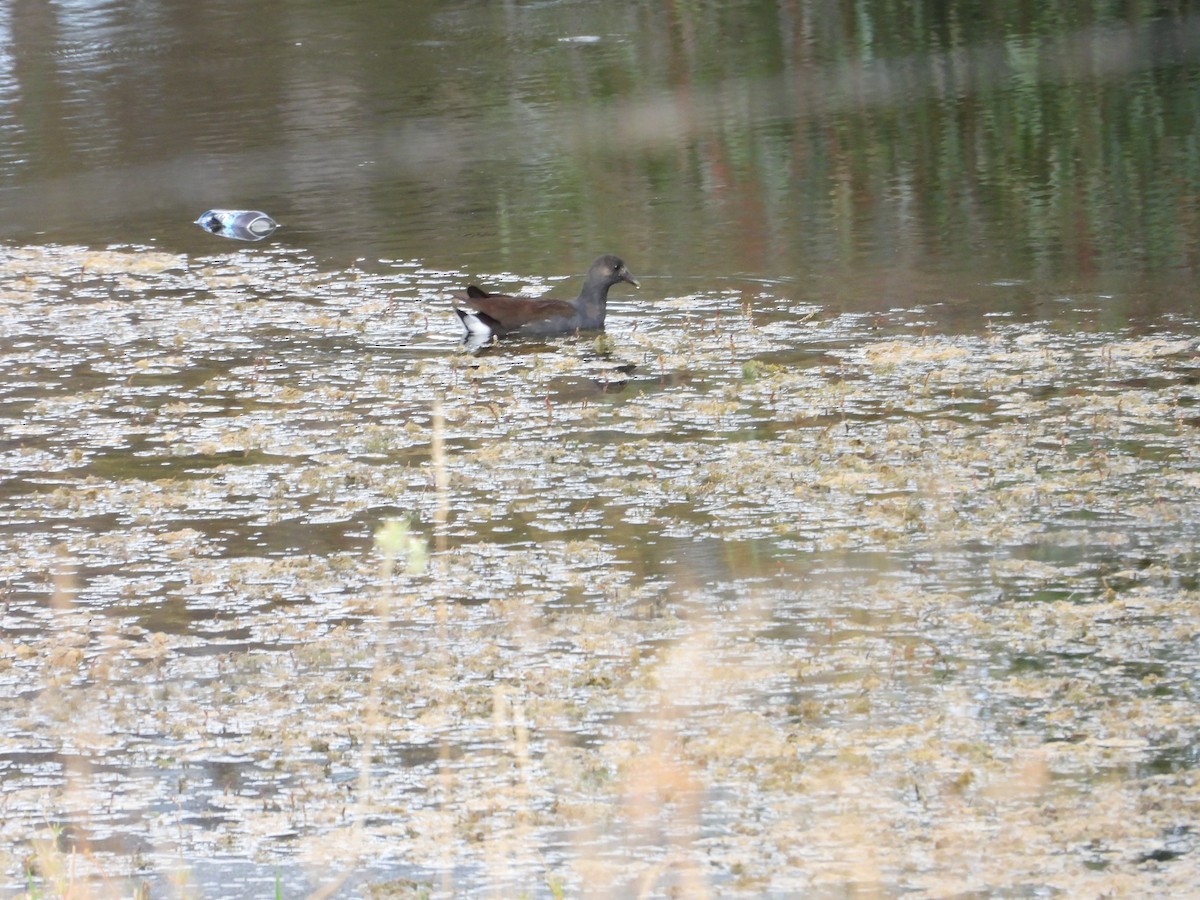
<point>1015,139</point>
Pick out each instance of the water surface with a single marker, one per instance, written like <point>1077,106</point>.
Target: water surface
<point>869,158</point>
<point>859,557</point>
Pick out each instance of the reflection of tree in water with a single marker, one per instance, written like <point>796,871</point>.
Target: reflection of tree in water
<point>784,139</point>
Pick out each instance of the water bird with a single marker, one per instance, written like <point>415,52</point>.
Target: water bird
<point>491,316</point>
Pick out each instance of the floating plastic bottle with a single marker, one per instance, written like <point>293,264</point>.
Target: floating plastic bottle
<point>239,224</point>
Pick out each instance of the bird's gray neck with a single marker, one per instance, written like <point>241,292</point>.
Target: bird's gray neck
<point>591,304</point>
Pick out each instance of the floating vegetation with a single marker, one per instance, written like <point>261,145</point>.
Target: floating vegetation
<point>747,598</point>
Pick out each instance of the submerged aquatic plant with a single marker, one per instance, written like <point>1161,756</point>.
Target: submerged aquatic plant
<point>397,542</point>
<point>709,610</point>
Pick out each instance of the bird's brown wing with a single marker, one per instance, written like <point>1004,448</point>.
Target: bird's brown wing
<point>513,312</point>
<point>472,293</point>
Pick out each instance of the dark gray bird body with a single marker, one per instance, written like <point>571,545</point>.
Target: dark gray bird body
<point>495,315</point>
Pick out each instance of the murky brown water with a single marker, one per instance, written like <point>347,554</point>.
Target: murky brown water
<point>860,557</point>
